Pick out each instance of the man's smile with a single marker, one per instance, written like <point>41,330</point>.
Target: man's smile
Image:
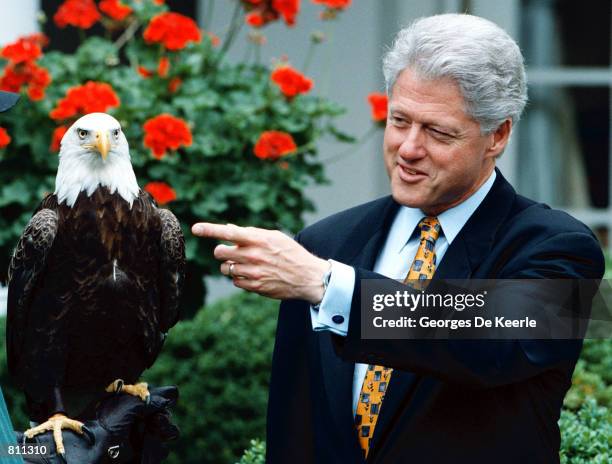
<point>410,174</point>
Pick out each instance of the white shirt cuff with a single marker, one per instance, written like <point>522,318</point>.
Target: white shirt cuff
<point>334,310</point>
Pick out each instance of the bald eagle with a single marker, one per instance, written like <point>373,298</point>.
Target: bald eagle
<point>94,282</point>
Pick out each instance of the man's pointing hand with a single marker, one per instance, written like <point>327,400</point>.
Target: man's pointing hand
<point>266,262</point>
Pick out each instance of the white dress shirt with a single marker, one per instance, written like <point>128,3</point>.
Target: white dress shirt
<point>393,261</point>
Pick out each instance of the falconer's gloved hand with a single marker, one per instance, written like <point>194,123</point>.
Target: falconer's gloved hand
<point>126,430</point>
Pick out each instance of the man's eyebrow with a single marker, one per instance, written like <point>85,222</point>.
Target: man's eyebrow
<point>427,122</point>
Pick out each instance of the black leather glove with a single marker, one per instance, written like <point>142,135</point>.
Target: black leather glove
<point>126,430</point>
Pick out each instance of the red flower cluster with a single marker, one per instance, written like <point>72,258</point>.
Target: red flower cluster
<point>290,81</point>
<point>161,192</point>
<point>5,139</point>
<point>115,9</point>
<point>334,4</point>
<point>166,132</point>
<point>274,144</point>
<point>92,97</point>
<point>262,12</point>
<point>22,69</point>
<point>28,48</point>
<point>56,138</point>
<point>173,30</point>
<point>378,102</point>
<point>78,13</point>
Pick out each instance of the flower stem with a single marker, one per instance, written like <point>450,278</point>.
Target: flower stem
<point>127,34</point>
<point>309,55</point>
<point>208,10</point>
<point>233,29</point>
<point>360,141</point>
<point>328,71</point>
<point>304,148</point>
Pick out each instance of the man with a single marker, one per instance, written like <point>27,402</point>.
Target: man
<point>456,87</point>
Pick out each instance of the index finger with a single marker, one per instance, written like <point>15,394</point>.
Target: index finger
<point>228,232</point>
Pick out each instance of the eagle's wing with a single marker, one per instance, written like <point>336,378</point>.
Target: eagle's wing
<point>172,268</point>
<point>25,269</point>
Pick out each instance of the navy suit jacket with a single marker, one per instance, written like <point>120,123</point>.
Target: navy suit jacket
<point>462,401</point>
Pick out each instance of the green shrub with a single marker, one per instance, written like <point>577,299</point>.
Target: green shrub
<point>221,362</point>
<point>593,375</point>
<point>597,354</point>
<point>256,454</point>
<point>586,436</point>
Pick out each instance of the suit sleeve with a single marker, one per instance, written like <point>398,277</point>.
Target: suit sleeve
<point>485,363</point>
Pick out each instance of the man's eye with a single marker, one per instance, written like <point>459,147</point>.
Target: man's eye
<point>82,133</point>
<point>396,120</point>
<point>439,134</point>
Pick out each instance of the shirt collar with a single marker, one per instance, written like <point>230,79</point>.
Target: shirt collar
<point>452,220</point>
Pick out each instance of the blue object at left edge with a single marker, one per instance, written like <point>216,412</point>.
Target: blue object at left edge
<point>7,435</point>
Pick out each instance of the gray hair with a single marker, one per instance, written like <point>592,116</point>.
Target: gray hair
<point>478,55</point>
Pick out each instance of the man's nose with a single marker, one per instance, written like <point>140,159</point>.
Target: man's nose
<point>413,145</point>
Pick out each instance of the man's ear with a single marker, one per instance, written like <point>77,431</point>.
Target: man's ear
<point>499,139</point>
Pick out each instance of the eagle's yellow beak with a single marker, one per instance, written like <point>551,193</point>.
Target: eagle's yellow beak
<point>102,143</point>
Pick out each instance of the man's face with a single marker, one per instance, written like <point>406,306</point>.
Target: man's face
<point>434,153</point>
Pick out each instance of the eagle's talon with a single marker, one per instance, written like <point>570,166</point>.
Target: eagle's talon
<point>141,390</point>
<point>115,386</point>
<point>56,424</point>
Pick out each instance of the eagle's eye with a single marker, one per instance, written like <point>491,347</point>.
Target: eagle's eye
<point>82,133</point>
<point>116,133</point>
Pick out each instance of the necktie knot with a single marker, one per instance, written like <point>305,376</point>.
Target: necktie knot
<point>430,229</point>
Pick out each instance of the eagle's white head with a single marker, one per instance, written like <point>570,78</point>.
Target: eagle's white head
<point>94,152</point>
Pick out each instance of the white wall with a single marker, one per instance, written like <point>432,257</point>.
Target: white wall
<point>17,17</point>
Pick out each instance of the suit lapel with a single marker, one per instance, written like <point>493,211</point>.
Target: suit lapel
<point>361,249</point>
<point>460,261</point>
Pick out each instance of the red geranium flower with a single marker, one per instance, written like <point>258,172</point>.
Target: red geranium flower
<point>92,97</point>
<point>261,12</point>
<point>115,9</point>
<point>5,139</point>
<point>161,192</point>
<point>334,4</point>
<point>174,84</point>
<point>56,138</point>
<point>274,144</point>
<point>288,9</point>
<point>173,30</point>
<point>378,101</point>
<point>144,72</point>
<point>78,13</point>
<point>290,81</point>
<point>27,73</point>
<point>27,48</point>
<point>166,132</point>
<point>254,19</point>
<point>163,66</point>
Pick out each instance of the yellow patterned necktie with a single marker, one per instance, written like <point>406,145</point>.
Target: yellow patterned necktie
<point>377,378</point>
